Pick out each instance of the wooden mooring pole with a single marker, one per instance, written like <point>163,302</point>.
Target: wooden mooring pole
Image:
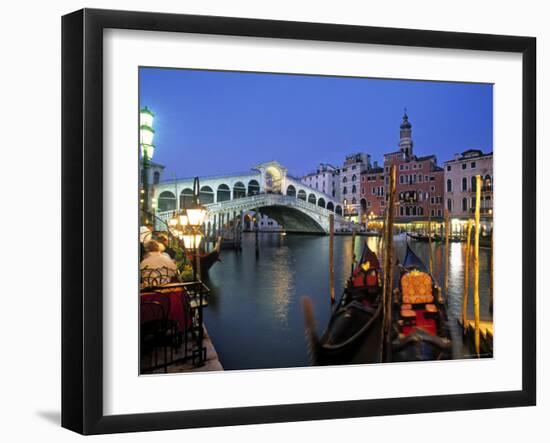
<point>430,240</point>
<point>476,262</point>
<point>331,258</point>
<point>388,266</point>
<point>466,285</point>
<point>353,257</point>
<point>447,253</point>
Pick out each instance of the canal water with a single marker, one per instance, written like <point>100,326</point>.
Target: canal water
<point>254,314</point>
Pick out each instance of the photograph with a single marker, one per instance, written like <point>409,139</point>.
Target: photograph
<point>290,220</point>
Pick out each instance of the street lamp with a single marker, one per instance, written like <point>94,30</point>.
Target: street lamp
<point>146,135</point>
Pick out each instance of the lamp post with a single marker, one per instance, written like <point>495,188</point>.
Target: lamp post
<point>189,222</point>
<point>146,134</point>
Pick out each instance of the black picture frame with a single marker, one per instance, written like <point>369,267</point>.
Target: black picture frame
<point>82,230</point>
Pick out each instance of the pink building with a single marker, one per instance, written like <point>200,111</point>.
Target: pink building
<point>419,187</point>
<point>460,185</point>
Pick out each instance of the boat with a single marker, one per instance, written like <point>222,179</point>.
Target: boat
<point>420,323</point>
<point>353,334</point>
<point>208,259</point>
<point>424,237</point>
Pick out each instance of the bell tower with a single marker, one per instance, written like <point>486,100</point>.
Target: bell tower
<point>405,137</point>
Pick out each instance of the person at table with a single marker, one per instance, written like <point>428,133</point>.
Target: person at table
<point>163,239</point>
<point>156,268</point>
<point>145,234</point>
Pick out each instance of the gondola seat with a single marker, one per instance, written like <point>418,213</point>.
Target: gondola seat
<point>431,308</point>
<point>417,288</point>
<point>408,316</point>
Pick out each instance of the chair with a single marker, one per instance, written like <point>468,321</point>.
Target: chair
<point>157,277</point>
<point>155,331</point>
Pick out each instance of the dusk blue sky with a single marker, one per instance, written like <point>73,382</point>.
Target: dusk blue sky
<point>212,122</point>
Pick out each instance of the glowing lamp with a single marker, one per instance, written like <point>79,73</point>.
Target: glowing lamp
<point>196,216</point>
<point>147,151</point>
<point>146,117</point>
<point>184,220</point>
<point>192,241</point>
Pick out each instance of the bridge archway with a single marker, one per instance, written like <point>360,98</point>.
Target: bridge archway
<point>312,199</point>
<point>292,219</point>
<point>206,195</point>
<point>302,195</point>
<point>224,193</point>
<point>167,201</point>
<point>239,190</point>
<point>330,206</point>
<point>253,187</point>
<point>321,202</point>
<point>338,210</point>
<point>186,198</point>
<point>291,191</point>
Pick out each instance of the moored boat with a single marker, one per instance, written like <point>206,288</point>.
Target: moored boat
<point>420,326</point>
<point>353,334</point>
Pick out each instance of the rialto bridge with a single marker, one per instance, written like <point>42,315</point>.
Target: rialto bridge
<point>266,188</point>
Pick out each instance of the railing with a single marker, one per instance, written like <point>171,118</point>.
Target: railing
<point>259,200</point>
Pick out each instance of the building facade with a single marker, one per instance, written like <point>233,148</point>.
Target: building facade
<point>373,193</point>
<point>419,186</point>
<point>325,179</point>
<point>350,184</point>
<point>460,184</point>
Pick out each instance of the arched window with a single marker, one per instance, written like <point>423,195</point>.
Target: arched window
<point>338,210</point>
<point>206,195</point>
<point>363,203</point>
<point>291,191</point>
<point>253,187</point>
<point>449,185</point>
<point>223,194</point>
<point>345,180</point>
<point>420,210</point>
<point>345,191</point>
<point>166,201</point>
<point>353,201</point>
<point>353,177</point>
<point>473,180</point>
<point>186,198</point>
<point>414,210</point>
<point>239,190</point>
<point>321,202</point>
<point>330,206</point>
<point>449,205</point>
<point>156,178</point>
<point>487,183</point>
<point>312,199</point>
<point>464,184</point>
<point>464,204</point>
<point>302,195</point>
<point>353,189</point>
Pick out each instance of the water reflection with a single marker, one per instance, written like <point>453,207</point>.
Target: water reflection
<point>255,317</point>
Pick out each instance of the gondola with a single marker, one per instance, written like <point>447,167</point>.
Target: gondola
<point>420,324</point>
<point>208,259</point>
<point>425,237</point>
<point>353,334</point>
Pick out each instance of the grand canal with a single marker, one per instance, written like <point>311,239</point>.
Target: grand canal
<point>254,315</point>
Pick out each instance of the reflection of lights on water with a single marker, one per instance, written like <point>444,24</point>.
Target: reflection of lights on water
<point>283,234</point>
<point>283,285</point>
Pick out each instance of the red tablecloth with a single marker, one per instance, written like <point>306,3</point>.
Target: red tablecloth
<point>178,310</point>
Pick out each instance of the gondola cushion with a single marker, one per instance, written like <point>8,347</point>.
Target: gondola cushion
<point>416,287</point>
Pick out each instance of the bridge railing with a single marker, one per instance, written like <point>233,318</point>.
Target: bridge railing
<point>259,200</point>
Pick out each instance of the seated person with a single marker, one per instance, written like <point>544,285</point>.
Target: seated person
<point>156,266</point>
<point>163,239</point>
